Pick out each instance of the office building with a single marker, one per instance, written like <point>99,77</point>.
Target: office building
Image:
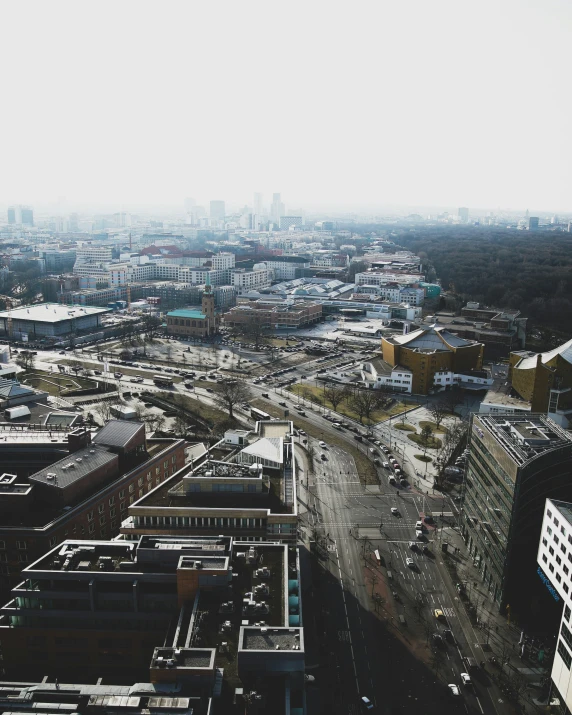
<point>186,611</point>
<point>288,314</point>
<point>277,209</point>
<point>217,210</point>
<point>258,205</point>
<point>554,571</point>
<point>82,489</point>
<point>545,380</point>
<point>21,215</point>
<point>434,356</point>
<point>533,223</point>
<point>515,463</point>
<point>463,214</point>
<point>256,279</point>
<point>288,223</point>
<point>251,495</point>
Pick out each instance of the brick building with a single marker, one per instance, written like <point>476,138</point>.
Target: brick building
<point>287,314</point>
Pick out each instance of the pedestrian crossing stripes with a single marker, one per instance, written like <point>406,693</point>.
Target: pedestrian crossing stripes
<point>449,612</point>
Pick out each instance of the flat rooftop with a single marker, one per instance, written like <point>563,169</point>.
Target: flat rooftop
<point>270,638</point>
<point>52,312</point>
<point>525,437</point>
<point>75,467</point>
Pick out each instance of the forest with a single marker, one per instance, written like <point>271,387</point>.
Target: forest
<point>530,271</point>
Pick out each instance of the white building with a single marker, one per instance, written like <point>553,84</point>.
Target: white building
<point>554,569</point>
<point>256,279</point>
<point>96,254</point>
<point>377,373</point>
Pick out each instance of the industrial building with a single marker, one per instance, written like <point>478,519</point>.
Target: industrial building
<point>515,463</point>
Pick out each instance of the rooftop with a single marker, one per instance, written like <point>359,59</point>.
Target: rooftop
<point>74,467</point>
<point>529,359</point>
<point>52,312</point>
<point>194,314</point>
<point>524,437</point>
<point>432,339</point>
<point>118,433</point>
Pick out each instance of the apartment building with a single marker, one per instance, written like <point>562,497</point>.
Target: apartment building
<point>256,279</point>
<point>554,561</point>
<point>174,611</point>
<point>84,494</point>
<point>515,463</point>
<point>287,268</point>
<point>288,314</point>
<point>232,497</point>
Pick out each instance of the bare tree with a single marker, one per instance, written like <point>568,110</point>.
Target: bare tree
<point>437,410</point>
<point>253,331</point>
<point>231,393</point>
<point>364,403</point>
<point>335,395</point>
<point>25,360</point>
<point>451,398</point>
<point>151,325</point>
<point>426,435</point>
<point>155,421</point>
<point>169,352</point>
<point>75,366</point>
<point>103,410</point>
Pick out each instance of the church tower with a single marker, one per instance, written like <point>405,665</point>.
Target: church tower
<point>208,307</point>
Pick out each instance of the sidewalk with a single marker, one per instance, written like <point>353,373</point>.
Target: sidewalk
<point>493,635</point>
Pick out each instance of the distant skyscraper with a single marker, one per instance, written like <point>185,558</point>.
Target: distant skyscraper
<point>218,210</point>
<point>533,223</point>
<point>463,214</point>
<point>190,205</point>
<point>21,215</point>
<point>277,210</point>
<point>258,206</point>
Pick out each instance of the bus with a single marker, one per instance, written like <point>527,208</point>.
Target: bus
<point>162,381</point>
<point>259,414</point>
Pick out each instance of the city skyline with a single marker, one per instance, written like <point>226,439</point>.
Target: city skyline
<point>443,108</point>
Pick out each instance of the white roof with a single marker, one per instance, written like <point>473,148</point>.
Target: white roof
<point>564,350</point>
<point>51,312</point>
<point>266,448</point>
<point>432,338</point>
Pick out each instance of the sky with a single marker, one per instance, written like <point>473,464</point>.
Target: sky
<point>347,105</point>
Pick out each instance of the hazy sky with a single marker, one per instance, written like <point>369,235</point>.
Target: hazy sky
<point>350,104</point>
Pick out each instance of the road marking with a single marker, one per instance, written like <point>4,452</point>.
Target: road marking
<point>344,636</point>
<point>481,707</point>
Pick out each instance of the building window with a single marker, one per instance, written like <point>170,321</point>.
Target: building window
<point>91,528</point>
<point>558,560</point>
<point>140,481</point>
<point>111,501</point>
<point>565,587</point>
<point>544,541</point>
<point>112,512</point>
<point>544,558</point>
<point>563,549</point>
<point>23,558</point>
<point>556,539</point>
<point>567,613</point>
<point>2,544</point>
<point>551,551</point>
<point>549,530</point>
<point>565,569</point>
<point>556,522</point>
<point>563,531</point>
<point>101,508</point>
<point>157,470</point>
<point>551,568</point>
<point>21,545</point>
<point>131,500</point>
<point>558,577</point>
<point>122,506</point>
<point>131,489</point>
<point>90,515</point>
<point>113,524</point>
<point>53,541</point>
<point>141,492</point>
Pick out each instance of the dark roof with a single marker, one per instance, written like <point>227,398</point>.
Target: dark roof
<point>90,458</point>
<point>118,433</point>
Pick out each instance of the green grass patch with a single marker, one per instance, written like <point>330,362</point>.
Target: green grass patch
<point>55,384</point>
<point>432,442</point>
<point>365,468</point>
<point>423,458</point>
<point>405,427</point>
<point>434,428</point>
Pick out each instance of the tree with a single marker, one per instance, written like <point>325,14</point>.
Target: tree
<point>253,331</point>
<point>75,366</point>
<point>356,267</point>
<point>25,360</point>
<point>451,399</point>
<point>232,393</point>
<point>437,410</point>
<point>155,421</point>
<point>364,403</point>
<point>426,435</point>
<point>103,410</point>
<point>151,325</point>
<point>335,395</point>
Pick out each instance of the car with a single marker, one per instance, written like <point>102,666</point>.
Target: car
<point>437,639</point>
<point>366,703</point>
<point>97,372</point>
<point>419,534</point>
<point>428,519</point>
<point>301,431</point>
<point>245,406</point>
<point>466,680</point>
<point>453,689</point>
<point>322,443</point>
<point>448,633</point>
<point>283,404</point>
<point>419,525</point>
<point>439,615</point>
<point>386,465</point>
<point>413,545</point>
<point>395,511</point>
<point>426,550</point>
<point>409,562</point>
<point>210,389</point>
<point>323,457</point>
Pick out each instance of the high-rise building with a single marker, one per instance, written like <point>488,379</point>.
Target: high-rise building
<point>463,214</point>
<point>515,462</point>
<point>554,563</point>
<point>533,222</point>
<point>190,204</point>
<point>277,210</point>
<point>218,210</point>
<point>289,222</point>
<point>23,215</point>
<point>258,205</point>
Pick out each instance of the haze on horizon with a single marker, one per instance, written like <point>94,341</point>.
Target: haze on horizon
<point>375,103</point>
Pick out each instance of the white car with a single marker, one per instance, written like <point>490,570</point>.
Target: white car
<point>394,511</point>
<point>410,563</point>
<point>466,678</point>
<point>453,689</point>
<point>366,702</point>
<point>322,443</point>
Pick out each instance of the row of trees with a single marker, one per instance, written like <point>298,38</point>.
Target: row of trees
<point>363,402</point>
